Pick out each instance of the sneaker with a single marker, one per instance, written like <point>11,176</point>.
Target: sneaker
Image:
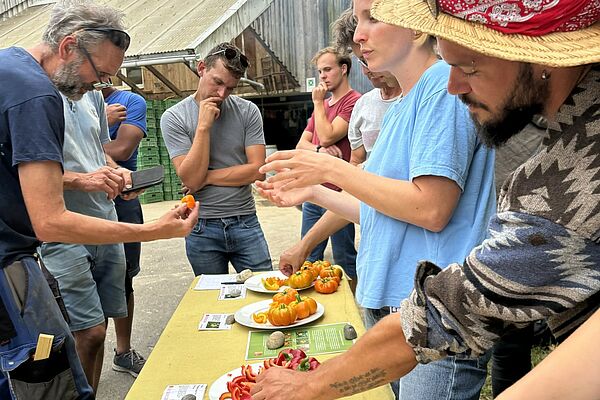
<point>131,362</point>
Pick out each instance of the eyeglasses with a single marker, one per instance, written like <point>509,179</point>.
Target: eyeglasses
<point>119,38</point>
<point>100,84</point>
<point>232,54</point>
<point>363,62</point>
<point>434,8</point>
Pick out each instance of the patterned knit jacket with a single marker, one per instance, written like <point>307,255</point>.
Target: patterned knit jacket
<point>542,258</point>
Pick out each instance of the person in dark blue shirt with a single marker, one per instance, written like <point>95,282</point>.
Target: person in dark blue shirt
<point>31,139</point>
<point>126,113</point>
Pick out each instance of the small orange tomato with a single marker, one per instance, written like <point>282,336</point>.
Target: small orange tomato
<point>300,279</point>
<point>326,285</point>
<point>282,315</point>
<point>189,201</point>
<point>311,270</point>
<point>332,272</point>
<point>304,306</point>
<point>285,297</point>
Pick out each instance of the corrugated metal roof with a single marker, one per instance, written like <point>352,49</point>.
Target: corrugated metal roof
<point>155,26</point>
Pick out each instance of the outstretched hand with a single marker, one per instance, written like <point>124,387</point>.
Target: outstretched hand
<point>299,168</point>
<point>289,198</point>
<point>179,221</point>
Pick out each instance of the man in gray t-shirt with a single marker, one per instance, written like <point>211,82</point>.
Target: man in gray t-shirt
<point>217,144</point>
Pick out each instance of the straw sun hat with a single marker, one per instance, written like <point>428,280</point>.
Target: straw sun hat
<point>557,33</point>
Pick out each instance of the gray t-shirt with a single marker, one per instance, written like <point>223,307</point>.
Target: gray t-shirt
<point>366,119</point>
<point>238,126</point>
<point>86,130</point>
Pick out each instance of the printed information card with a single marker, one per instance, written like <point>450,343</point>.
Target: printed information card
<point>176,392</point>
<point>214,322</point>
<point>313,340</point>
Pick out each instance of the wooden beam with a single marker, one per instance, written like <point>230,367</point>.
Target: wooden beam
<point>164,80</point>
<point>131,84</point>
<point>187,64</point>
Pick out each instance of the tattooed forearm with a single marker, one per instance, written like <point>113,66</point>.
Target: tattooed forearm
<point>369,380</point>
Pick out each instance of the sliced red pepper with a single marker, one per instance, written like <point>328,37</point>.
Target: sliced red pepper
<point>250,375</point>
<point>225,396</point>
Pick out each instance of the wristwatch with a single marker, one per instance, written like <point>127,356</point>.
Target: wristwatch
<point>318,147</point>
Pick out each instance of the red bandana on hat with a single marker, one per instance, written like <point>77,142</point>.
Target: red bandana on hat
<point>525,17</point>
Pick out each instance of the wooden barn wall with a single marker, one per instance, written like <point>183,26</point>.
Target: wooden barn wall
<point>296,29</point>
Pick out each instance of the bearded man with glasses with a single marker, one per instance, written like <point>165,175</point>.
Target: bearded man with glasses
<point>31,175</point>
<point>216,143</point>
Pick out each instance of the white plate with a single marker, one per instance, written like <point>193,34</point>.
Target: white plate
<point>219,386</point>
<point>244,316</point>
<point>254,283</point>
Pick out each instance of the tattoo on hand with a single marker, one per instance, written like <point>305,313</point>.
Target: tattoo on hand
<point>369,380</point>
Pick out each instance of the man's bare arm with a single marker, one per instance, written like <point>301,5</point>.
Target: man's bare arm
<point>380,356</point>
<point>41,184</point>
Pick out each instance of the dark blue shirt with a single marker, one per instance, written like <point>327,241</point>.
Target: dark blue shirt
<point>136,116</point>
<point>31,129</point>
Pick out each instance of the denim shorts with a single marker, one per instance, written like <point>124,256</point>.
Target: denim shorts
<point>215,242</point>
<point>33,310</point>
<point>91,280</point>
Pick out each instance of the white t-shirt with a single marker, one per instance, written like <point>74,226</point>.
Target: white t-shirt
<point>366,120</point>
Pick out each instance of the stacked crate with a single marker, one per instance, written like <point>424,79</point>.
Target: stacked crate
<point>153,151</point>
<point>148,155</point>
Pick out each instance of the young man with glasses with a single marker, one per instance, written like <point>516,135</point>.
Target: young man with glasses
<point>216,143</point>
<point>31,176</point>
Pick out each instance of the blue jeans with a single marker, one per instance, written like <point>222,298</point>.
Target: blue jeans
<point>34,311</point>
<point>453,378</point>
<point>215,242</point>
<point>342,242</point>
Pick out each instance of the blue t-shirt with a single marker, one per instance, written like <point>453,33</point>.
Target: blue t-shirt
<point>136,116</point>
<point>429,132</point>
<point>31,129</point>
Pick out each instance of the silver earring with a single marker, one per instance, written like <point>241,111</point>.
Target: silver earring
<point>545,75</point>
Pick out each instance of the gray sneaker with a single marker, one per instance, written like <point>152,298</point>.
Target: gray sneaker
<point>131,362</point>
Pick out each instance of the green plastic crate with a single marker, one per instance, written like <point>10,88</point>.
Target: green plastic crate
<point>149,141</point>
<point>152,132</point>
<point>148,152</point>
<point>146,197</point>
<point>149,104</point>
<point>151,123</point>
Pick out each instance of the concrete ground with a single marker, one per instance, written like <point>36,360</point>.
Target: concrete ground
<point>164,277</point>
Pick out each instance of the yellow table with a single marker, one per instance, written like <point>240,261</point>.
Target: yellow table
<point>184,355</point>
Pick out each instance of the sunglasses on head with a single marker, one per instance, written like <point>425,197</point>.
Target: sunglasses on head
<point>232,54</point>
<point>119,38</point>
<point>434,8</point>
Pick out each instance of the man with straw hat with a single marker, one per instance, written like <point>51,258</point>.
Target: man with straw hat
<point>510,60</point>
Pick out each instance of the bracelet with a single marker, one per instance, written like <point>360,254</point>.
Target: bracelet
<point>318,147</point>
